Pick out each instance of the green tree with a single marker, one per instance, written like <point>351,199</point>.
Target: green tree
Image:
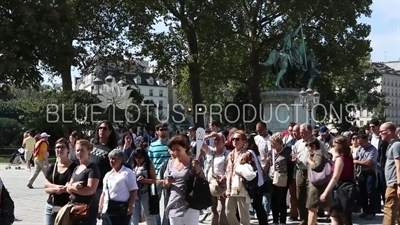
<point>10,132</point>
<point>60,34</point>
<point>379,112</point>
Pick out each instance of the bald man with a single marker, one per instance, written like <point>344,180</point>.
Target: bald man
<point>387,133</point>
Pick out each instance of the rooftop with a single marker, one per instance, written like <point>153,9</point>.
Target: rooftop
<point>383,67</point>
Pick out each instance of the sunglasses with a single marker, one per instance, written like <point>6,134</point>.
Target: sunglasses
<point>103,128</point>
<point>236,139</point>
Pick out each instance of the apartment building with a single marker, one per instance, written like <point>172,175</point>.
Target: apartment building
<point>389,84</point>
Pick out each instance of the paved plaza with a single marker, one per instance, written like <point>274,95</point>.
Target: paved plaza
<point>29,203</point>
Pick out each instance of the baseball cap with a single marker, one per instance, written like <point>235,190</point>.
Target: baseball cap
<point>191,128</point>
<point>323,130</point>
<point>44,135</point>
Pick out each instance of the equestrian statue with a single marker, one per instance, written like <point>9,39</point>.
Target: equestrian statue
<point>292,62</point>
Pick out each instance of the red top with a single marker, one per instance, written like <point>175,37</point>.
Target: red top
<point>348,168</point>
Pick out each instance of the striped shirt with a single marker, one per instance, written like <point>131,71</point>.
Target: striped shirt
<point>158,153</point>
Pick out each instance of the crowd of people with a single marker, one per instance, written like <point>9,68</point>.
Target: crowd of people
<point>323,173</point>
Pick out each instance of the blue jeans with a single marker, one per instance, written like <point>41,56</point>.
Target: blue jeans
<point>93,211</point>
<point>142,203</point>
<point>267,203</point>
<point>48,218</point>
<point>368,190</point>
<point>115,220</point>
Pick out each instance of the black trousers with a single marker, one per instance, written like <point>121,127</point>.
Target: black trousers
<point>278,204</point>
<point>258,207</point>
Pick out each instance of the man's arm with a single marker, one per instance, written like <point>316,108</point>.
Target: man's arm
<point>371,157</point>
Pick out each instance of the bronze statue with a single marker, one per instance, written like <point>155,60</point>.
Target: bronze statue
<point>291,61</point>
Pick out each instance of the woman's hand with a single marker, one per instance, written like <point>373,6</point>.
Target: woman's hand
<point>323,197</point>
<point>99,213</point>
<point>196,165</point>
<point>310,160</point>
<point>140,179</point>
<point>78,185</point>
<point>168,182</point>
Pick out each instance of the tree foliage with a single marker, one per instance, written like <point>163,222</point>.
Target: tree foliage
<point>59,34</point>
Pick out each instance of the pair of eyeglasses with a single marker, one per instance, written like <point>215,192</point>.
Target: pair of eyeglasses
<point>236,139</point>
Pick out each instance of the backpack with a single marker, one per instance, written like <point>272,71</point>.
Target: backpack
<point>37,149</point>
<point>6,208</point>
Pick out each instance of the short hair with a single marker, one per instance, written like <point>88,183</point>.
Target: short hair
<point>63,141</point>
<point>116,154</point>
<point>292,124</point>
<point>306,126</point>
<point>374,122</point>
<point>277,138</point>
<point>74,134</point>
<point>262,124</point>
<point>354,129</point>
<point>181,140</point>
<point>313,142</point>
<point>161,125</point>
<point>390,126</point>
<point>215,123</point>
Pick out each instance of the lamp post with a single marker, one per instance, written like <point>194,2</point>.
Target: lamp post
<point>309,98</point>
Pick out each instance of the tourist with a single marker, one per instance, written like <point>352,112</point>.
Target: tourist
<point>343,171</point>
<point>29,146</point>
<point>127,146</point>
<point>180,169</point>
<point>84,182</point>
<point>146,175</point>
<point>236,200</point>
<point>72,140</point>
<point>117,201</point>
<point>40,154</point>
<point>57,176</point>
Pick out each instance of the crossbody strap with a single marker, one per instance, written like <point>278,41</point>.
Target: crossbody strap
<point>54,171</point>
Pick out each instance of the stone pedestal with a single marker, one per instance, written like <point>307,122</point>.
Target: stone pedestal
<point>281,107</point>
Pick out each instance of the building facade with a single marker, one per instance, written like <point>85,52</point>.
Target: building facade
<point>389,84</point>
<point>153,89</point>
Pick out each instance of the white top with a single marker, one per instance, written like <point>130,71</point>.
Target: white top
<point>375,141</point>
<point>219,162</point>
<point>264,145</point>
<point>119,186</point>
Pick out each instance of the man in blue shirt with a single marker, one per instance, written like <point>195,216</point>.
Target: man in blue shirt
<point>366,166</point>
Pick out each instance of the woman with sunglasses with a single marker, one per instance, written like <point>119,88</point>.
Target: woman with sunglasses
<point>354,144</point>
<point>57,176</point>
<point>145,175</point>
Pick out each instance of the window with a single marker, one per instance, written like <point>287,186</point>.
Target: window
<point>161,93</point>
<point>138,81</point>
<point>151,81</point>
<point>160,103</point>
<point>151,92</point>
<point>361,123</point>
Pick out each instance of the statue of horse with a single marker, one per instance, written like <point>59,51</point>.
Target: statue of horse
<point>283,63</point>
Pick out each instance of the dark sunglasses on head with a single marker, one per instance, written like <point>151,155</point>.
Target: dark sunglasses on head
<point>103,128</point>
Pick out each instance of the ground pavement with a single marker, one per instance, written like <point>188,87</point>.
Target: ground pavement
<point>29,203</point>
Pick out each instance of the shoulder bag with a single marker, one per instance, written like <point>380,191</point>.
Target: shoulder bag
<point>80,211</point>
<point>154,200</point>
<point>198,195</point>
<point>54,208</point>
<point>320,178</point>
<point>216,188</point>
<point>116,208</point>
<point>279,179</point>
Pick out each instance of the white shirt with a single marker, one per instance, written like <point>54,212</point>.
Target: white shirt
<point>375,141</point>
<point>118,186</point>
<point>264,145</point>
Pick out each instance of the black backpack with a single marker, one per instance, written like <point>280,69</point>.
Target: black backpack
<point>6,208</point>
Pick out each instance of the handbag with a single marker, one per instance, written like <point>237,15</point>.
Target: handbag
<point>54,208</point>
<point>80,211</point>
<point>216,188</point>
<point>116,208</point>
<point>198,194</point>
<point>154,199</point>
<point>279,179</point>
<point>320,178</point>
